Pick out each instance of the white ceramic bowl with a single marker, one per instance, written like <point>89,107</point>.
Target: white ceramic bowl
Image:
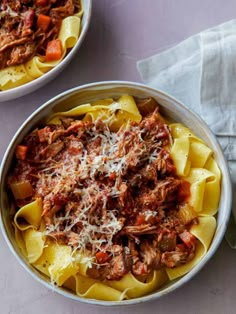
<point>171,108</point>
<point>41,81</point>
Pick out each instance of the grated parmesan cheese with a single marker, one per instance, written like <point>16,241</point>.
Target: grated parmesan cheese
<point>86,220</point>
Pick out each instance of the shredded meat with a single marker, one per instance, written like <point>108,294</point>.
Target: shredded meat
<point>20,53</point>
<point>172,259</point>
<point>146,106</point>
<point>20,36</point>
<point>115,195</point>
<point>150,254</point>
<point>52,149</point>
<point>59,13</point>
<point>141,229</point>
<point>118,265</point>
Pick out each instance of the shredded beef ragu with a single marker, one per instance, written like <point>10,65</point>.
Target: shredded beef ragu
<point>116,195</point>
<point>20,37</point>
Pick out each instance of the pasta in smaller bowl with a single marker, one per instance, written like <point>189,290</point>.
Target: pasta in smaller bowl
<point>114,193</point>
<point>38,39</point>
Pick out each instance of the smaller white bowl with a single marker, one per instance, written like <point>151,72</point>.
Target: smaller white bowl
<point>39,82</point>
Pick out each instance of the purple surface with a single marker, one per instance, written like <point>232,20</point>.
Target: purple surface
<point>121,32</point>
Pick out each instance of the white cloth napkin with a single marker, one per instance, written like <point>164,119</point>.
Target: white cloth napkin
<point>201,72</point>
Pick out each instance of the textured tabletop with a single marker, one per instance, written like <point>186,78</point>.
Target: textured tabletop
<point>121,33</point>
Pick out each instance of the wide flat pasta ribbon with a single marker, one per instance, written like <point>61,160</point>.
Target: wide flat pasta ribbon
<point>14,76</point>
<point>79,111</point>
<point>90,288</point>
<point>212,166</point>
<point>135,288</point>
<point>205,191</point>
<point>126,111</point>
<point>57,263</point>
<point>34,244</point>
<point>115,113</point>
<point>20,240</point>
<point>29,216</point>
<point>187,151</point>
<point>26,222</point>
<point>127,104</point>
<point>178,130</point>
<point>180,156</point>
<point>127,287</point>
<point>199,154</point>
<point>194,161</point>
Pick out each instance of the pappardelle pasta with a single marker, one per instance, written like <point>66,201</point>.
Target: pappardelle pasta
<point>112,201</point>
<point>35,36</point>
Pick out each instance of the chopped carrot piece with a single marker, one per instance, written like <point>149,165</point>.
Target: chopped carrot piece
<point>54,50</point>
<point>112,175</point>
<point>41,2</point>
<point>43,134</point>
<point>21,151</point>
<point>102,257</point>
<point>43,22</point>
<point>181,247</point>
<point>140,219</point>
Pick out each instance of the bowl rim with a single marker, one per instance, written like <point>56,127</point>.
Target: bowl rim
<point>31,86</point>
<point>180,281</point>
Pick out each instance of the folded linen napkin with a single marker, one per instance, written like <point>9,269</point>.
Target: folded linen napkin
<point>201,72</point>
